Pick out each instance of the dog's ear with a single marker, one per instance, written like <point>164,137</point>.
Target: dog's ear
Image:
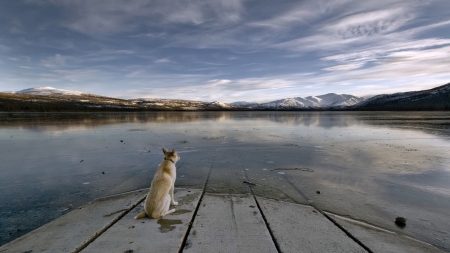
<point>173,151</point>
<point>164,150</point>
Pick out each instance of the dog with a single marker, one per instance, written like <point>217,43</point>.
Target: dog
<point>160,196</point>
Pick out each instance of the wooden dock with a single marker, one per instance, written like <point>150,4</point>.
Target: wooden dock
<point>206,222</point>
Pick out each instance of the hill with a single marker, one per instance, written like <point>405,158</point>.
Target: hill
<point>48,99</point>
<point>426,100</point>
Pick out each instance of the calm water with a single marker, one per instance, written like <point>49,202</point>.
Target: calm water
<point>371,167</point>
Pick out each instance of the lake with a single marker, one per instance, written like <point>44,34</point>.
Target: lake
<point>368,166</point>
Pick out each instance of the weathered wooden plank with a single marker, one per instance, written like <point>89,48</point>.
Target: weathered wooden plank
<point>299,228</point>
<point>70,231</point>
<point>229,223</point>
<point>150,235</point>
<point>381,240</point>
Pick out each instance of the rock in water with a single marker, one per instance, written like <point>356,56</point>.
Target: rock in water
<point>400,221</point>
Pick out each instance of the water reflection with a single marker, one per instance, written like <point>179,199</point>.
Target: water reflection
<point>427,121</point>
<point>370,166</point>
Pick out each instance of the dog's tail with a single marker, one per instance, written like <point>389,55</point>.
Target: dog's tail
<point>140,215</point>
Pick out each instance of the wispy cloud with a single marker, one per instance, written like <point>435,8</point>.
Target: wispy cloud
<point>345,67</point>
<point>95,17</point>
<point>225,49</point>
<point>148,35</point>
<point>369,23</point>
<point>54,61</point>
<point>354,30</point>
<point>376,52</point>
<point>286,20</point>
<point>3,48</point>
<point>216,82</point>
<point>163,60</point>
<point>250,89</point>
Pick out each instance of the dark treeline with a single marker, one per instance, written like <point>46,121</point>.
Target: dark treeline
<point>9,105</point>
<point>60,106</point>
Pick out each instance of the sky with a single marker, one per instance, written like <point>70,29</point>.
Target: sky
<point>225,50</point>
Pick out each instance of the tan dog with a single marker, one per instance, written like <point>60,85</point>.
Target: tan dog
<point>160,196</point>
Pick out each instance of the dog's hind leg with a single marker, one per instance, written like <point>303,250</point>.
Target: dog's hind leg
<point>166,210</point>
<point>169,212</point>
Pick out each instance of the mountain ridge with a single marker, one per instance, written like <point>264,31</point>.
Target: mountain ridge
<point>326,101</point>
<point>47,90</point>
<point>437,98</point>
<point>53,99</point>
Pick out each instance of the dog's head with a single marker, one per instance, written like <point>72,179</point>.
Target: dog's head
<point>172,155</point>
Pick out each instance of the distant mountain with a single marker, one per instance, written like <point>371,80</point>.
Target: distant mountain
<point>52,99</point>
<point>47,91</point>
<point>242,103</point>
<point>433,99</point>
<point>43,99</point>
<point>327,101</point>
<point>179,104</point>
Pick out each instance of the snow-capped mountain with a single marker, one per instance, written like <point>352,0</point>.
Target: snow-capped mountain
<point>242,103</point>
<point>433,99</point>
<point>326,101</point>
<point>46,91</point>
<point>52,99</point>
<point>179,104</point>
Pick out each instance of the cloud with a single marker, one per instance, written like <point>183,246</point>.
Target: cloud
<point>93,17</point>
<point>411,63</point>
<point>286,20</point>
<point>54,61</point>
<point>354,30</point>
<point>4,48</point>
<point>216,82</point>
<point>100,58</point>
<point>148,35</point>
<point>151,46</point>
<point>429,27</point>
<point>77,76</point>
<point>370,53</point>
<point>433,55</point>
<point>344,67</point>
<point>369,23</point>
<point>163,60</point>
<point>24,59</point>
<point>227,90</point>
